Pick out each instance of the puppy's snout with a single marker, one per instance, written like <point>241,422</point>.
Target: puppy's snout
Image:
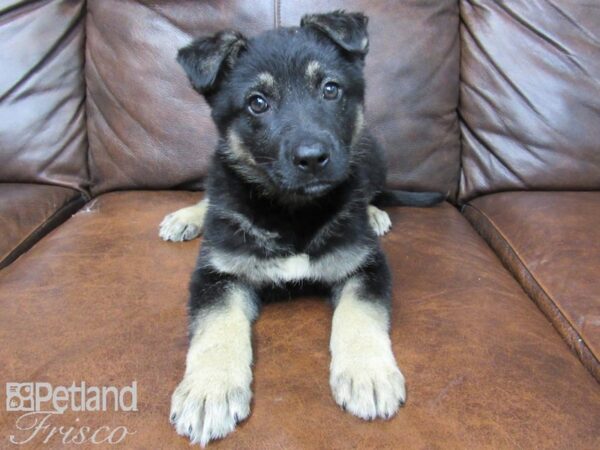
<point>310,158</point>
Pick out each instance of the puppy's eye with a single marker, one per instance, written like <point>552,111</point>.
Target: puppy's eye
<point>258,104</point>
<point>331,90</point>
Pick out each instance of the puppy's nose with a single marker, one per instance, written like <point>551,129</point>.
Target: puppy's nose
<point>310,158</point>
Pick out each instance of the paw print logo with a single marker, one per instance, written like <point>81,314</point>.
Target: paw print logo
<point>19,397</point>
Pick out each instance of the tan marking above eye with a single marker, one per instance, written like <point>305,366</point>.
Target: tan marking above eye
<point>266,79</point>
<point>312,68</point>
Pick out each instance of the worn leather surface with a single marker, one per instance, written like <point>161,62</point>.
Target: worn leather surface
<point>412,85</point>
<point>42,117</point>
<point>149,129</point>
<point>530,96</point>
<point>551,242</point>
<point>102,299</point>
<point>28,211</point>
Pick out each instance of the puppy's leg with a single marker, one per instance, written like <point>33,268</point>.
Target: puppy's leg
<point>364,376</point>
<point>379,220</point>
<point>215,391</point>
<point>184,224</point>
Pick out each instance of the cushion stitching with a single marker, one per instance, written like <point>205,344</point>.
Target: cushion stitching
<point>501,235</point>
<point>14,253</point>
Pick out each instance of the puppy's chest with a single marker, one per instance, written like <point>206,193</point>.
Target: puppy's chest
<point>284,253</point>
<point>329,267</point>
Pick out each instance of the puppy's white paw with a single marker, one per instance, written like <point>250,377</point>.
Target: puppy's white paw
<point>207,405</point>
<point>369,387</point>
<point>184,224</point>
<point>379,220</point>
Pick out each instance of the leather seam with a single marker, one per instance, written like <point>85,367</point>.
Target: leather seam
<point>495,229</point>
<point>88,187</point>
<point>461,169</point>
<point>40,231</point>
<point>505,239</point>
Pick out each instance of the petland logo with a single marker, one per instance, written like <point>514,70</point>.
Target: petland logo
<point>40,402</point>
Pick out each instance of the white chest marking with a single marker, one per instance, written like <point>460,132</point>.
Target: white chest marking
<point>330,267</point>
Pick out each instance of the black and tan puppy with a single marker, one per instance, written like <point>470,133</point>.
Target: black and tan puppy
<point>289,210</point>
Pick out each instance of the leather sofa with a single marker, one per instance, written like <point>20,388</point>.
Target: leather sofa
<point>496,321</point>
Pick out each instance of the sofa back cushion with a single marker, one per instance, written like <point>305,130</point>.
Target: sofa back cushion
<point>149,129</point>
<point>42,111</point>
<point>530,96</point>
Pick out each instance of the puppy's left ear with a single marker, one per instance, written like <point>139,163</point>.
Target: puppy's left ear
<point>348,30</point>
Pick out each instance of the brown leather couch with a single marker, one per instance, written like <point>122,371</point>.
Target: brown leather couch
<point>496,322</point>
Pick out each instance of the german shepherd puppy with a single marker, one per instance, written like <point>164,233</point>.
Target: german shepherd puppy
<point>289,210</point>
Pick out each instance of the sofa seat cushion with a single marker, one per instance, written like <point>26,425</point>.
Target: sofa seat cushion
<point>28,211</point>
<point>102,299</point>
<point>551,242</point>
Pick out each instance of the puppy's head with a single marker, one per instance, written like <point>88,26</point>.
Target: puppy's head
<point>288,104</point>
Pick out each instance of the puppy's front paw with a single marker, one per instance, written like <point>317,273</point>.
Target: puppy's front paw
<point>368,387</point>
<point>379,220</point>
<point>205,407</point>
<point>184,224</point>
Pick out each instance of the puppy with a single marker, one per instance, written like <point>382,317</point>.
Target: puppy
<point>290,209</point>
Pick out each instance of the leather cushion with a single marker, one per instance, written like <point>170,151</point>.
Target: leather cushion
<point>530,96</point>
<point>102,299</point>
<point>28,212</point>
<point>42,92</point>
<point>551,242</point>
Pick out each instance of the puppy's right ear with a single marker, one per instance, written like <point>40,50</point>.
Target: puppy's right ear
<point>206,59</point>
